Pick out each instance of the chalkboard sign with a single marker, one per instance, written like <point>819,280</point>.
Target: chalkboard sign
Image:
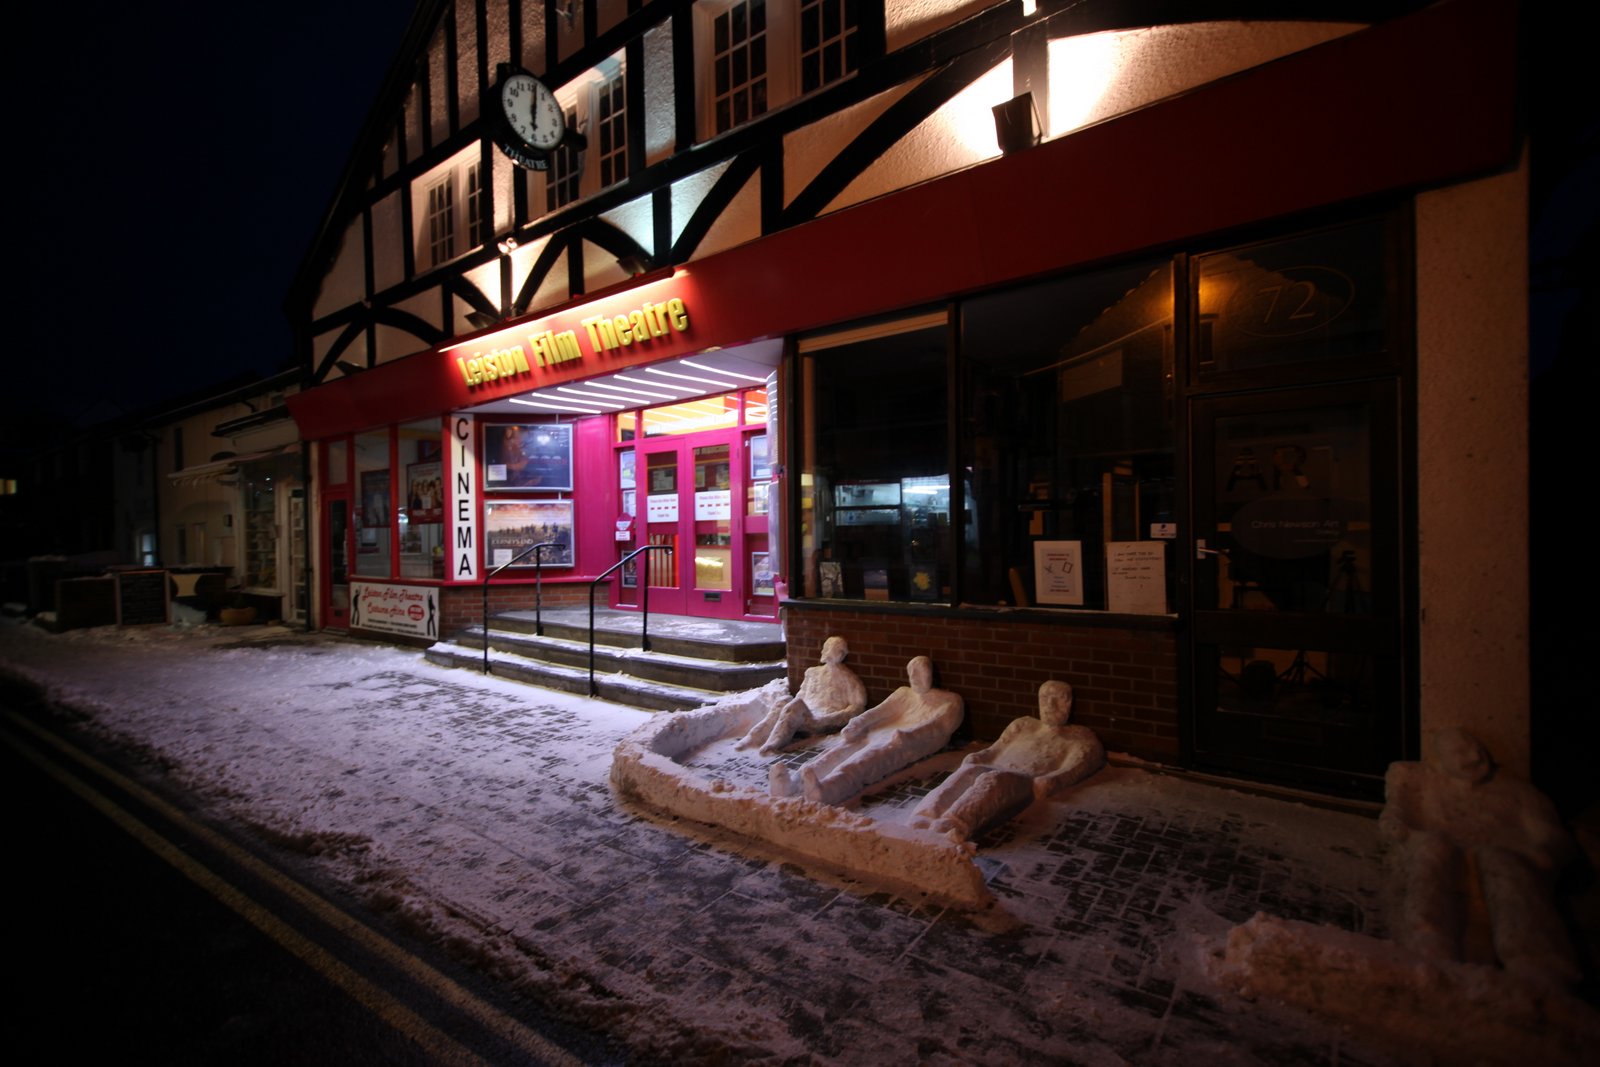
<point>141,597</point>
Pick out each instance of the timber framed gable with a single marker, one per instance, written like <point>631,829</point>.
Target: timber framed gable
<point>366,295</point>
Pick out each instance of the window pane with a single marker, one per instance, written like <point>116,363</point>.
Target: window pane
<point>875,513</point>
<point>1314,297</point>
<point>1068,395</point>
<point>375,513</point>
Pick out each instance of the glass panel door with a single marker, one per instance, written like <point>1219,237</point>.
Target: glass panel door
<point>662,519</point>
<point>1296,635</point>
<point>336,550</point>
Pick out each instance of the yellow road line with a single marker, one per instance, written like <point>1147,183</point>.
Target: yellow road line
<point>377,1000</point>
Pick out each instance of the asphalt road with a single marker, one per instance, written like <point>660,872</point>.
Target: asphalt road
<point>141,933</point>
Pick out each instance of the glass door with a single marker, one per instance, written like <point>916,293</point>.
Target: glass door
<point>336,550</point>
<point>662,478</point>
<point>1296,632</point>
<point>687,489</point>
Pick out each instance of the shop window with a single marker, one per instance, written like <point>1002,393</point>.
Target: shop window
<point>260,533</point>
<point>374,507</point>
<point>1068,449</point>
<point>448,210</point>
<point>421,515</point>
<point>875,517</point>
<point>761,55</point>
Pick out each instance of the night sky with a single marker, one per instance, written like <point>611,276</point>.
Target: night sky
<point>171,166</point>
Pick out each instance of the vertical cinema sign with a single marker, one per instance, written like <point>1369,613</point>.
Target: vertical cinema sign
<point>463,545</point>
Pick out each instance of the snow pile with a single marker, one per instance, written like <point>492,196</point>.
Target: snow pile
<point>653,767</point>
<point>1455,1012</point>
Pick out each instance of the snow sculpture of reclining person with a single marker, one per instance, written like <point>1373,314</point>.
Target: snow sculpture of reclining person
<point>914,722</point>
<point>830,695</point>
<point>1033,759</point>
<point>1451,815</point>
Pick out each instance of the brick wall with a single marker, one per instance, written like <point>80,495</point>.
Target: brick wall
<point>462,606</point>
<point>1124,678</point>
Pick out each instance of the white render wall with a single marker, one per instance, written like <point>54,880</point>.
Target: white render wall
<point>1472,461</point>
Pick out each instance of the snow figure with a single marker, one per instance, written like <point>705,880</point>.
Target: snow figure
<point>1456,825</point>
<point>1034,759</point>
<point>830,695</point>
<point>916,721</point>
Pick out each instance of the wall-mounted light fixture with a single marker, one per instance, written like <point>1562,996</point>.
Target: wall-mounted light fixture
<point>507,245</point>
<point>1016,124</point>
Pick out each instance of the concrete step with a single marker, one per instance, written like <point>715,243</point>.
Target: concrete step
<point>721,639</point>
<point>656,665</point>
<point>616,687</point>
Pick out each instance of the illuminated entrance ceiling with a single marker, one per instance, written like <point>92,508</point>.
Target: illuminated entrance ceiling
<point>669,381</point>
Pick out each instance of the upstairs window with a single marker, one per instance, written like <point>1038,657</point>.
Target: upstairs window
<point>760,54</point>
<point>830,41</point>
<point>596,105</point>
<point>448,208</point>
<point>562,180</point>
<point>739,63</point>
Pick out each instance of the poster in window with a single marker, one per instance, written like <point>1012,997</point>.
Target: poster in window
<point>513,526</point>
<point>1136,577</point>
<point>527,456</point>
<point>1058,572</point>
<point>830,578</point>
<point>625,469</point>
<point>375,498</point>
<point>760,457</point>
<point>425,492</point>
<point>761,574</point>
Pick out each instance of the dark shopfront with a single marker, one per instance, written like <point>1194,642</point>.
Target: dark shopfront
<point>1157,435</point>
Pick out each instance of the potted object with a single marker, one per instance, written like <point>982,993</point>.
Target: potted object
<point>237,612</point>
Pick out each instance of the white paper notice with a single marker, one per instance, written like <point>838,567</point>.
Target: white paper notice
<point>713,504</point>
<point>1136,577</point>
<point>1058,572</point>
<point>662,507</point>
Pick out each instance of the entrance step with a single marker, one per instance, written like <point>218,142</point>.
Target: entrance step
<point>691,662</point>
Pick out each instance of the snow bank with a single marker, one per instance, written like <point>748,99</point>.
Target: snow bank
<point>650,768</point>
<point>1455,1012</point>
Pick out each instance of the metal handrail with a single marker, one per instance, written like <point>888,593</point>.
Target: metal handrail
<point>538,592</point>
<point>644,634</point>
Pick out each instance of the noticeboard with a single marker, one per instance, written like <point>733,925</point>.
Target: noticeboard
<point>141,597</point>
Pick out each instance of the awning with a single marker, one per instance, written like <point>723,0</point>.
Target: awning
<point>219,469</point>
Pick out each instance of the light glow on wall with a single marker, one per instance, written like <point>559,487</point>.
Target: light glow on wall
<point>1082,69</point>
<point>969,117</point>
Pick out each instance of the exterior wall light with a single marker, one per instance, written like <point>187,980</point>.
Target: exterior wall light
<point>1016,124</point>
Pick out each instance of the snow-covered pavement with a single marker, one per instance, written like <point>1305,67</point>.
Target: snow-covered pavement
<point>480,809</point>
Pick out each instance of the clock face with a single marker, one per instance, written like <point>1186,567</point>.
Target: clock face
<point>532,112</point>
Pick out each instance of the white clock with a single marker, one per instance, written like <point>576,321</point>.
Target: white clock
<point>532,112</point>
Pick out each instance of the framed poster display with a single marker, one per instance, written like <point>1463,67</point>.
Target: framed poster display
<point>761,574</point>
<point>625,469</point>
<point>527,455</point>
<point>1058,572</point>
<point>515,525</point>
<point>375,498</point>
<point>425,492</point>
<point>760,457</point>
<point>830,578</point>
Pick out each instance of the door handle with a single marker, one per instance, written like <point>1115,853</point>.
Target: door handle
<point>1201,551</point>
